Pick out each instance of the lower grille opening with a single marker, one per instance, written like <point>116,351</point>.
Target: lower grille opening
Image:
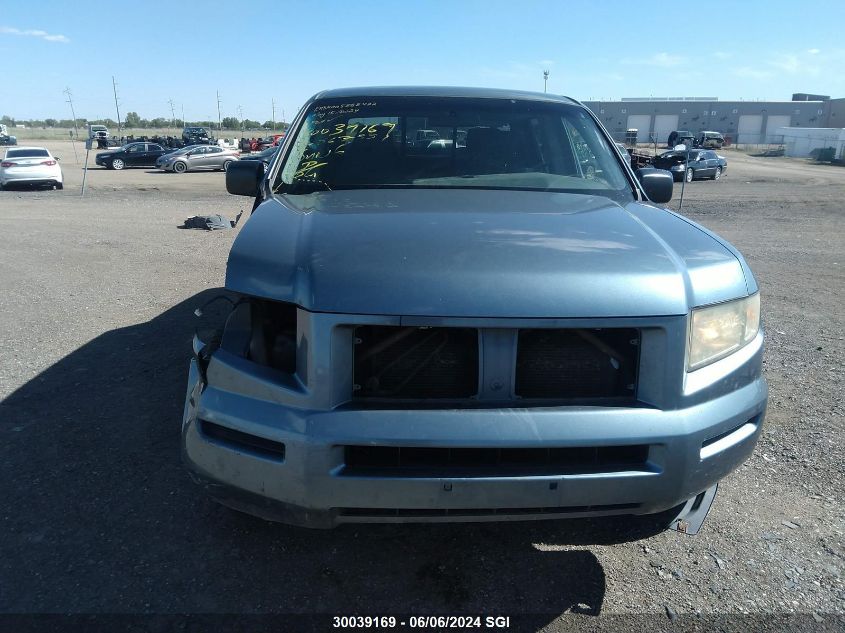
<point>415,362</point>
<point>721,436</point>
<point>243,441</point>
<point>577,363</point>
<point>394,461</point>
<point>474,512</point>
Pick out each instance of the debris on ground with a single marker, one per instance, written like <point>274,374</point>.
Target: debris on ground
<point>214,222</point>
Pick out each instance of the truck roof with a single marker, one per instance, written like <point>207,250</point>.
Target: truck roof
<point>442,91</point>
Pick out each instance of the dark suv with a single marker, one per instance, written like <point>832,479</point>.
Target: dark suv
<point>196,136</point>
<point>679,137</point>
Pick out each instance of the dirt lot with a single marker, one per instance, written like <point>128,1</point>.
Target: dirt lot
<point>99,517</point>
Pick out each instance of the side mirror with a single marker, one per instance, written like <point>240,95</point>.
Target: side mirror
<point>658,184</point>
<point>244,177</point>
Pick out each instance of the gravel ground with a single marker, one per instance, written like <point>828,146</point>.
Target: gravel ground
<point>99,517</point>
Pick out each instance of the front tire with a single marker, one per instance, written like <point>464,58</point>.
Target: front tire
<point>118,164</point>
<point>180,167</point>
<point>226,165</point>
<point>690,174</point>
<point>59,186</point>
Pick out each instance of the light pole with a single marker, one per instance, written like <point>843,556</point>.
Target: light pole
<point>73,113</point>
<point>219,120</point>
<point>545,80</point>
<point>173,115</point>
<point>116,107</point>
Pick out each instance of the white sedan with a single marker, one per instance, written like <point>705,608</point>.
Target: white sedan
<point>30,166</point>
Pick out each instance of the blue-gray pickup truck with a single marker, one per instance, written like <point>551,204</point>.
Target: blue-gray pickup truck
<point>500,325</point>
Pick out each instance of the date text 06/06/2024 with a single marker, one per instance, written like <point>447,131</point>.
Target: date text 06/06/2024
<point>421,622</point>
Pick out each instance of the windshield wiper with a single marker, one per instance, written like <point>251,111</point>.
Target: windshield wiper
<point>305,186</point>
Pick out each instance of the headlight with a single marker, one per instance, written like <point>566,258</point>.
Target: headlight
<point>720,330</point>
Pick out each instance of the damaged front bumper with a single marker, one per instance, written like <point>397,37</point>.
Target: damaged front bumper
<point>289,463</point>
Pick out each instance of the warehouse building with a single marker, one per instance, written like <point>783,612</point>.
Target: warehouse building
<point>742,122</point>
<point>803,142</point>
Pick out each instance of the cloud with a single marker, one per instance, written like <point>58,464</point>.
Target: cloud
<point>787,63</point>
<point>747,72</point>
<point>663,60</point>
<point>794,65</point>
<point>44,35</point>
<point>688,76</point>
<point>814,51</point>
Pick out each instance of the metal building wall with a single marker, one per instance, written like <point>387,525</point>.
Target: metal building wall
<point>718,116</point>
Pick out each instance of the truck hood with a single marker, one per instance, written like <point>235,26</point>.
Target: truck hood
<point>471,253</point>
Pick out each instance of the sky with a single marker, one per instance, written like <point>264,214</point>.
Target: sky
<point>257,51</point>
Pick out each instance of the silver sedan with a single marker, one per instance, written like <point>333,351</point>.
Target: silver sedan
<point>198,157</point>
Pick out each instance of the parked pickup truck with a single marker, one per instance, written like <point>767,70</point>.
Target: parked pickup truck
<point>97,131</point>
<point>510,329</point>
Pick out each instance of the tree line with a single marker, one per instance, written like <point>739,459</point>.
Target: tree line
<point>134,121</point>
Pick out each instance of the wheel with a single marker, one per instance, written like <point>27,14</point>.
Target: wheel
<point>117,163</point>
<point>179,167</point>
<point>718,173</point>
<point>60,185</point>
<point>690,174</point>
<point>226,165</point>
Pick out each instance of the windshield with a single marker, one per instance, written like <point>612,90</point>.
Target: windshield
<point>419,142</point>
<point>676,157</point>
<point>184,150</point>
<point>27,153</point>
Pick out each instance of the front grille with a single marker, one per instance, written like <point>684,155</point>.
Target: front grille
<point>576,363</point>
<point>478,512</point>
<point>410,461</point>
<point>415,362</point>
